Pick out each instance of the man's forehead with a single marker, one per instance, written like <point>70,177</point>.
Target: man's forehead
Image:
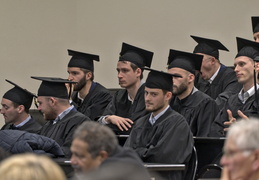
<point>6,101</point>
<point>230,144</point>
<point>121,65</point>
<point>126,63</point>
<point>242,59</point>
<point>152,89</point>
<point>73,69</point>
<point>77,143</point>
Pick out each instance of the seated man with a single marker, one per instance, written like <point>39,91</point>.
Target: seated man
<point>62,118</point>
<point>241,151</point>
<point>245,101</point>
<point>128,104</point>
<point>198,108</point>
<point>15,108</point>
<point>90,98</point>
<point>163,135</point>
<point>95,147</point>
<point>216,80</point>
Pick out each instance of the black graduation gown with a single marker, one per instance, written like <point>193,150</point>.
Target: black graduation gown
<point>233,104</point>
<point>63,130</point>
<point>222,87</point>
<point>121,106</point>
<point>32,126</point>
<point>95,101</point>
<point>199,110</point>
<point>169,140</point>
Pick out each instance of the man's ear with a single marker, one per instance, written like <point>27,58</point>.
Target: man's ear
<point>138,71</point>
<point>168,95</point>
<point>52,100</point>
<point>103,155</point>
<point>88,75</point>
<point>20,108</point>
<point>191,77</point>
<point>213,60</point>
<point>256,161</point>
<point>257,66</point>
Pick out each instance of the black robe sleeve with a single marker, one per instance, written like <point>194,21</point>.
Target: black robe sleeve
<point>95,102</point>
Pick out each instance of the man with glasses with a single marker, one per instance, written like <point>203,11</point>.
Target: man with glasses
<point>241,151</point>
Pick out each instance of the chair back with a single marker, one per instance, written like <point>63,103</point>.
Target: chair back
<point>192,166</point>
<point>210,171</point>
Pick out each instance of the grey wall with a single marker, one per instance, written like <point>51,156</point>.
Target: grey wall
<point>35,34</point>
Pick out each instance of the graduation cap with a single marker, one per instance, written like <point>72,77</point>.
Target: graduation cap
<point>187,61</point>
<point>54,87</point>
<point>247,48</point>
<point>159,79</point>
<point>140,57</point>
<point>19,95</point>
<point>82,60</point>
<point>208,46</point>
<point>255,23</point>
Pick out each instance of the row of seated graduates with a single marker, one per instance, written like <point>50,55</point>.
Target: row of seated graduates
<point>209,149</point>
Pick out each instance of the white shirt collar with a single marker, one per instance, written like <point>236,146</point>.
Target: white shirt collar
<point>243,96</point>
<point>24,122</point>
<point>153,119</point>
<point>214,76</point>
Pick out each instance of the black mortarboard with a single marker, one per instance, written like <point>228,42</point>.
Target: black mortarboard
<point>54,87</point>
<point>187,61</point>
<point>138,56</point>
<point>159,79</point>
<point>255,23</point>
<point>19,95</point>
<point>208,46</point>
<point>82,60</point>
<point>247,48</point>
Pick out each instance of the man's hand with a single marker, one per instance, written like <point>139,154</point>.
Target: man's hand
<point>225,174</point>
<point>242,115</point>
<point>70,89</point>
<point>120,122</point>
<point>231,120</point>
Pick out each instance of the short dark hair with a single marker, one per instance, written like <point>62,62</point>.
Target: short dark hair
<point>98,137</point>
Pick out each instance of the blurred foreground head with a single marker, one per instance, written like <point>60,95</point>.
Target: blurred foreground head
<point>30,167</point>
